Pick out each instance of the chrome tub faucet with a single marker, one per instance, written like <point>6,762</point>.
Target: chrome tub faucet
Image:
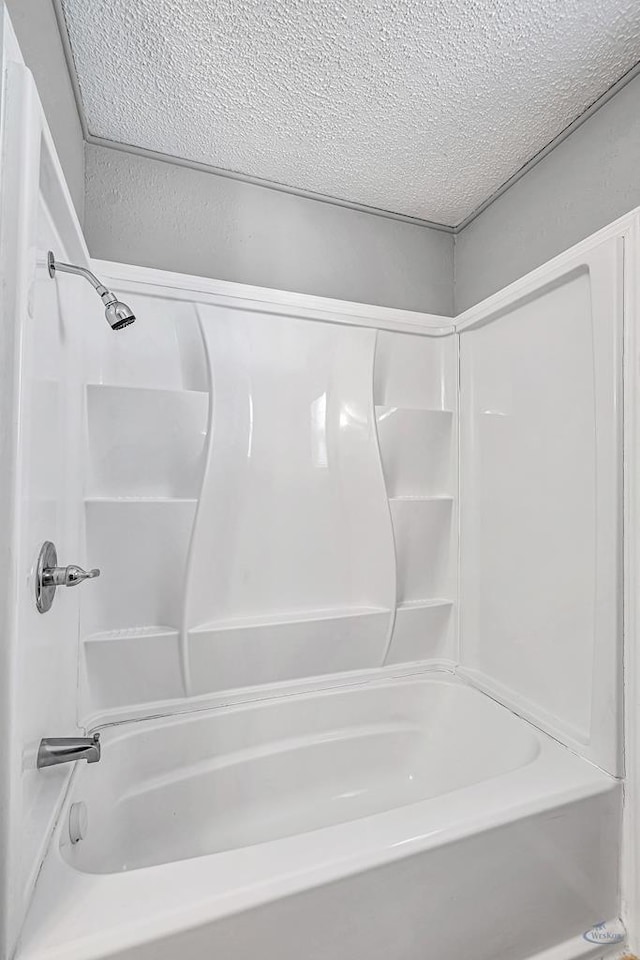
<point>55,750</point>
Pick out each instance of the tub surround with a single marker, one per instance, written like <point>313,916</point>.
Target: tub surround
<point>273,488</point>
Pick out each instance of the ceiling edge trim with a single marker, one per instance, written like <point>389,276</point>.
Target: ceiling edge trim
<point>323,198</point>
<point>71,65</point>
<point>260,182</point>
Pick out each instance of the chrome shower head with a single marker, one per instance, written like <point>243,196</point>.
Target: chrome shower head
<point>117,313</point>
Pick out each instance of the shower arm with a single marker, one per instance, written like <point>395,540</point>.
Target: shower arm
<point>117,314</point>
<point>100,288</point>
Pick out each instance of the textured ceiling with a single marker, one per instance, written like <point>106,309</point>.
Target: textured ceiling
<point>421,107</point>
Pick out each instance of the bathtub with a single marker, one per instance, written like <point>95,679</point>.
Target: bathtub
<point>400,819</point>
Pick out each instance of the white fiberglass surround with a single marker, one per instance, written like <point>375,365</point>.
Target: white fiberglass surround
<point>323,536</point>
<point>280,491</point>
<point>305,522</point>
<point>369,821</point>
<point>541,492</point>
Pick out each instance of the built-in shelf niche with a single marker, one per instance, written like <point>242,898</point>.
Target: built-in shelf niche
<point>161,350</point>
<point>415,395</point>
<point>145,443</point>
<point>415,372</point>
<point>421,631</point>
<point>416,449</point>
<point>133,666</point>
<point>141,548</point>
<point>422,530</point>
<point>145,460</point>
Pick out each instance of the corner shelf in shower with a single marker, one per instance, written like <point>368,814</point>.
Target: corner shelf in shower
<point>415,371</point>
<point>384,410</point>
<point>416,447</point>
<point>415,398</point>
<point>424,604</point>
<point>125,392</point>
<point>145,442</point>
<point>118,666</point>
<point>146,449</point>
<point>431,498</point>
<point>141,500</point>
<point>421,631</point>
<point>139,543</point>
<point>422,529</point>
<point>147,632</point>
<point>394,408</point>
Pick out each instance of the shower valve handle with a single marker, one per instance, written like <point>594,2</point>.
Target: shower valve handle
<point>49,576</point>
<point>67,576</point>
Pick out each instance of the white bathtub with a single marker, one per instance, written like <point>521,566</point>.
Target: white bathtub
<point>396,820</point>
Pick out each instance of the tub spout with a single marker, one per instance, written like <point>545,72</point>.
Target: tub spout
<point>54,750</point>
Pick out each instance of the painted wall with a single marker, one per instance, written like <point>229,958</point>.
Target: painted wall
<point>236,231</point>
<point>162,215</point>
<point>589,180</point>
<point>34,22</point>
<point>158,214</point>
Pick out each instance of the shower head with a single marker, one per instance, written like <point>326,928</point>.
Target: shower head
<point>117,313</point>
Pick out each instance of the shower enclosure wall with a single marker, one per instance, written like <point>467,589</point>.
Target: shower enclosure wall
<point>355,653</point>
